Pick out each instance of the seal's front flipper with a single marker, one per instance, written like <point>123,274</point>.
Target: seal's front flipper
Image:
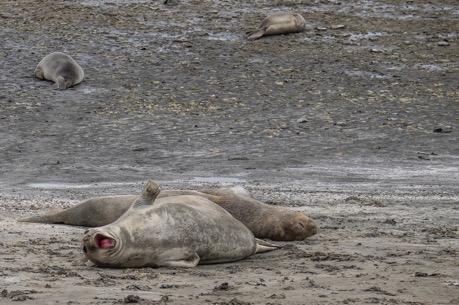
<point>264,246</point>
<point>257,34</point>
<point>61,84</point>
<point>190,262</point>
<point>82,261</point>
<point>39,73</point>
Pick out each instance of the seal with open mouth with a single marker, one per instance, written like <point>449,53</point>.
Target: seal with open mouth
<point>175,231</point>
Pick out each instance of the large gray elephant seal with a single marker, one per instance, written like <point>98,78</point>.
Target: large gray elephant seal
<point>279,23</point>
<point>61,69</point>
<point>265,221</point>
<point>175,231</point>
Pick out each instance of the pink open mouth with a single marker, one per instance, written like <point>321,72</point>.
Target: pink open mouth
<point>104,242</point>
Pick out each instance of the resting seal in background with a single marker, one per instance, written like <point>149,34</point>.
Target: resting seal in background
<point>61,69</point>
<point>279,23</point>
<point>175,231</point>
<point>265,221</point>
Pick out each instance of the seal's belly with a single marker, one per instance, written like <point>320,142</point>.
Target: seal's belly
<point>213,236</point>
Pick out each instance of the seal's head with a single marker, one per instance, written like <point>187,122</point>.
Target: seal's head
<point>104,246</point>
<point>300,21</point>
<point>115,245</point>
<point>298,226</point>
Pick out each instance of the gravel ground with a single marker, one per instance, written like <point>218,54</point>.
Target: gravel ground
<point>354,121</point>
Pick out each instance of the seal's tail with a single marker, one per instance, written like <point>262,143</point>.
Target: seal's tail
<point>264,246</point>
<point>256,34</point>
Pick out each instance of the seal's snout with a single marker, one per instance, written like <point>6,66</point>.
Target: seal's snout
<point>314,229</point>
<point>309,227</point>
<point>300,227</point>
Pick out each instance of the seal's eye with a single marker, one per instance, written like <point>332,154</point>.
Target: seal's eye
<point>104,242</point>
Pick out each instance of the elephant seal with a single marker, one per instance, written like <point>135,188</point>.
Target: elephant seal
<point>279,23</point>
<point>175,231</point>
<point>265,221</point>
<point>61,69</point>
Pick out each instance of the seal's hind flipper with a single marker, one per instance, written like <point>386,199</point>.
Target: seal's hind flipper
<point>150,192</point>
<point>257,34</point>
<point>264,246</point>
<point>50,217</point>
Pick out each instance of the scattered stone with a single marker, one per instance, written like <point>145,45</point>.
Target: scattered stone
<point>167,286</point>
<point>222,286</point>
<point>422,157</point>
<point>234,302</point>
<point>275,296</point>
<point>139,149</point>
<point>338,26</point>
<point>321,28</point>
<point>443,43</point>
<point>424,274</point>
<point>131,299</point>
<point>238,158</point>
<point>364,201</point>
<point>302,120</point>
<point>138,287</point>
<point>376,50</point>
<point>379,290</point>
<point>390,221</point>
<point>447,129</point>
<point>327,267</point>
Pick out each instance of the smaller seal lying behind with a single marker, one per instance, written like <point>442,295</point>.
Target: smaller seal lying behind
<point>61,69</point>
<point>176,231</point>
<point>279,23</point>
<point>264,220</point>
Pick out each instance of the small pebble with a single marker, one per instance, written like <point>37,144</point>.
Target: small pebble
<point>443,43</point>
<point>338,26</point>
